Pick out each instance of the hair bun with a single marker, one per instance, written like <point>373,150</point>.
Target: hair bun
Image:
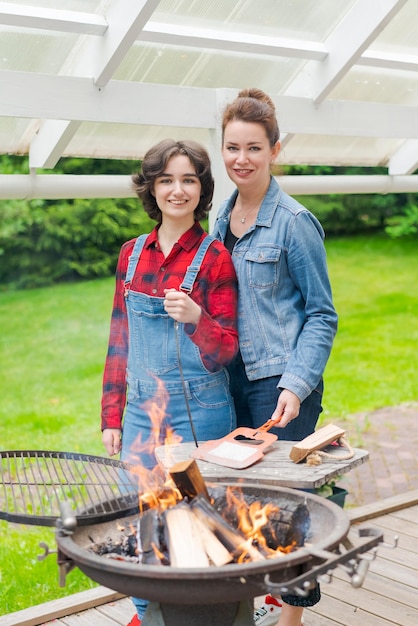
<point>257,94</point>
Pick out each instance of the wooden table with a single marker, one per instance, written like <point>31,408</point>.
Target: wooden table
<point>275,468</point>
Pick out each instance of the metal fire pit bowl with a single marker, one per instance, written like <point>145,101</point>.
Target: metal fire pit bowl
<point>291,573</point>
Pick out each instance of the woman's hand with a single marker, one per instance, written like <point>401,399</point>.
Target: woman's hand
<point>111,438</point>
<point>287,408</point>
<point>181,307</point>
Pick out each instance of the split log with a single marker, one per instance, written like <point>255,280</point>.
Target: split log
<point>319,439</point>
<point>188,479</point>
<point>150,533</point>
<point>214,548</point>
<point>233,540</point>
<point>183,539</point>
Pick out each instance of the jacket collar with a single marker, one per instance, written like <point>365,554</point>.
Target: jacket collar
<point>267,208</point>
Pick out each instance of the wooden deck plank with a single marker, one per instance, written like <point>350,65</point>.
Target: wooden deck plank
<point>339,612</point>
<point>387,597</point>
<point>376,584</point>
<point>87,618</point>
<point>41,613</point>
<point>368,599</point>
<point>394,525</point>
<point>121,612</point>
<point>400,502</point>
<point>392,528</point>
<point>407,514</point>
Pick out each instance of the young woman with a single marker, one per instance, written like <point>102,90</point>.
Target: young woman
<point>287,321</point>
<point>173,326</point>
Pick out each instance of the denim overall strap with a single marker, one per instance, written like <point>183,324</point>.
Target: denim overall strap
<point>133,259</point>
<point>193,269</point>
<point>156,350</point>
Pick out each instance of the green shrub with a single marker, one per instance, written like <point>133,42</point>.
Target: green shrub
<point>43,242</point>
<point>405,225</point>
<point>350,214</point>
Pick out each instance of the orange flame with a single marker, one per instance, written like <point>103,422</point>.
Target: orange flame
<point>155,491</point>
<point>251,520</point>
<point>152,489</point>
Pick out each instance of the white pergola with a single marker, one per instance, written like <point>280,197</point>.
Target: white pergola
<point>109,78</point>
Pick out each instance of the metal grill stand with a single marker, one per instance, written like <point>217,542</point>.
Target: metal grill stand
<point>231,614</point>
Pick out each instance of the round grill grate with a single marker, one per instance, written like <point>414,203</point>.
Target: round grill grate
<point>35,482</point>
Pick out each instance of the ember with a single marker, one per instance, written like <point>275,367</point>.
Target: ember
<point>189,524</point>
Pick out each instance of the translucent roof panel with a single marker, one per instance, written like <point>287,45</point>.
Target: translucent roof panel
<point>341,151</point>
<point>108,78</point>
<point>176,65</point>
<point>30,50</point>
<point>380,85</point>
<point>126,139</point>
<point>284,18</point>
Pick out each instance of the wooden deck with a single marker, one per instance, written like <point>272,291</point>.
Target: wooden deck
<point>389,594</point>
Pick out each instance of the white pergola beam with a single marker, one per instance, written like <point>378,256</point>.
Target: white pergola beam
<point>25,16</point>
<point>384,60</point>
<point>341,184</point>
<point>28,95</point>
<point>360,27</point>
<point>162,33</point>
<point>98,58</point>
<point>126,19</point>
<point>59,186</point>
<point>405,160</point>
<point>49,143</point>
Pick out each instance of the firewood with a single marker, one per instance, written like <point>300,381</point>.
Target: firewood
<point>288,524</point>
<point>188,479</point>
<point>233,540</point>
<point>150,534</point>
<point>319,439</point>
<point>214,548</point>
<point>183,539</point>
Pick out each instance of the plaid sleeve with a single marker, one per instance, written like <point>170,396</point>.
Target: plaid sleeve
<point>216,333</point>
<point>114,377</point>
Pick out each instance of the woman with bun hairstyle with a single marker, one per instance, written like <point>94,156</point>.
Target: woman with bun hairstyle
<point>286,317</point>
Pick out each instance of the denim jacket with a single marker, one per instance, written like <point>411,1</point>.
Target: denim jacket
<point>286,317</point>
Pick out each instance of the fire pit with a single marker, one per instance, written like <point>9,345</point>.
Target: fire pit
<point>209,596</point>
<point>229,584</point>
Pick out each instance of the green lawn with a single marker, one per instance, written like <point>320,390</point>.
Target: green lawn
<point>374,360</point>
<point>52,350</point>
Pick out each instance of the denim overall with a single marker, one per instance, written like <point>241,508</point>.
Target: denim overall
<point>153,359</point>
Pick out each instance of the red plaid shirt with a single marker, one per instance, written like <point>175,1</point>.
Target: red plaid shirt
<point>215,290</point>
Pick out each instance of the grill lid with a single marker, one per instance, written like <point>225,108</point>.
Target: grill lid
<point>34,482</point>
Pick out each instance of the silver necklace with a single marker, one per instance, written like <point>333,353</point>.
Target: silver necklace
<point>243,219</point>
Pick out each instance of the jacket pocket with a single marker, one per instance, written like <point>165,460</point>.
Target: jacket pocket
<point>263,266</point>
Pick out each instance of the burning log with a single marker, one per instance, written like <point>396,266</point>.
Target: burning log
<point>284,526</point>
<point>183,539</point>
<point>188,479</point>
<point>287,526</point>
<point>233,540</point>
<point>150,531</point>
<point>214,548</point>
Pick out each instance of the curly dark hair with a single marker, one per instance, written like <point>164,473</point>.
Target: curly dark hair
<point>154,164</point>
